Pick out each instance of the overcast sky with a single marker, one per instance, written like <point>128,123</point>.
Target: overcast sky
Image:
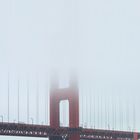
<point>97,39</point>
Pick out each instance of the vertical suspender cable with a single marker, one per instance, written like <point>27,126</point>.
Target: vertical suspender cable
<point>105,114</point>
<point>88,108</point>
<point>108,109</point>
<point>18,101</point>
<point>8,96</point>
<point>94,110</point>
<point>82,107</point>
<point>112,102</point>
<point>121,108</point>
<point>120,114</point>
<point>90,104</point>
<point>98,111</point>
<point>86,111</point>
<point>127,113</point>
<point>134,117</point>
<point>101,111</point>
<point>46,107</point>
<point>28,101</point>
<point>37,101</point>
<point>115,115</point>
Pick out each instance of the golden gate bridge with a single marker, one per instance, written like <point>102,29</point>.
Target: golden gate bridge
<point>56,132</point>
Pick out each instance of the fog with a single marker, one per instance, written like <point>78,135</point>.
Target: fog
<point>97,40</point>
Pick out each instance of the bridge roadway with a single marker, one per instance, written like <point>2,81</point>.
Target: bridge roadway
<point>44,131</point>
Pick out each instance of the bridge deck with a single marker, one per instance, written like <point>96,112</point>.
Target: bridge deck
<point>44,131</point>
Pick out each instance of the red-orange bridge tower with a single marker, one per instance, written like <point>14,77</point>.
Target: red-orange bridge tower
<point>72,95</point>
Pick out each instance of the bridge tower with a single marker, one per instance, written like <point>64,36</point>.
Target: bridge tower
<point>72,95</point>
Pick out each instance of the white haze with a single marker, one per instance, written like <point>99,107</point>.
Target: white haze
<point>97,39</point>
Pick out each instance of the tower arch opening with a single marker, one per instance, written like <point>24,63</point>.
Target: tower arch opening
<point>64,113</point>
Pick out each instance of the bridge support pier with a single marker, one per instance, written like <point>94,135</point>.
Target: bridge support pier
<point>135,136</point>
<point>72,95</point>
<point>75,137</point>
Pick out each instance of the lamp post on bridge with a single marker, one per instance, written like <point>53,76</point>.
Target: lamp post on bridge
<point>32,120</point>
<point>108,127</point>
<point>14,120</point>
<point>129,128</point>
<point>1,118</point>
